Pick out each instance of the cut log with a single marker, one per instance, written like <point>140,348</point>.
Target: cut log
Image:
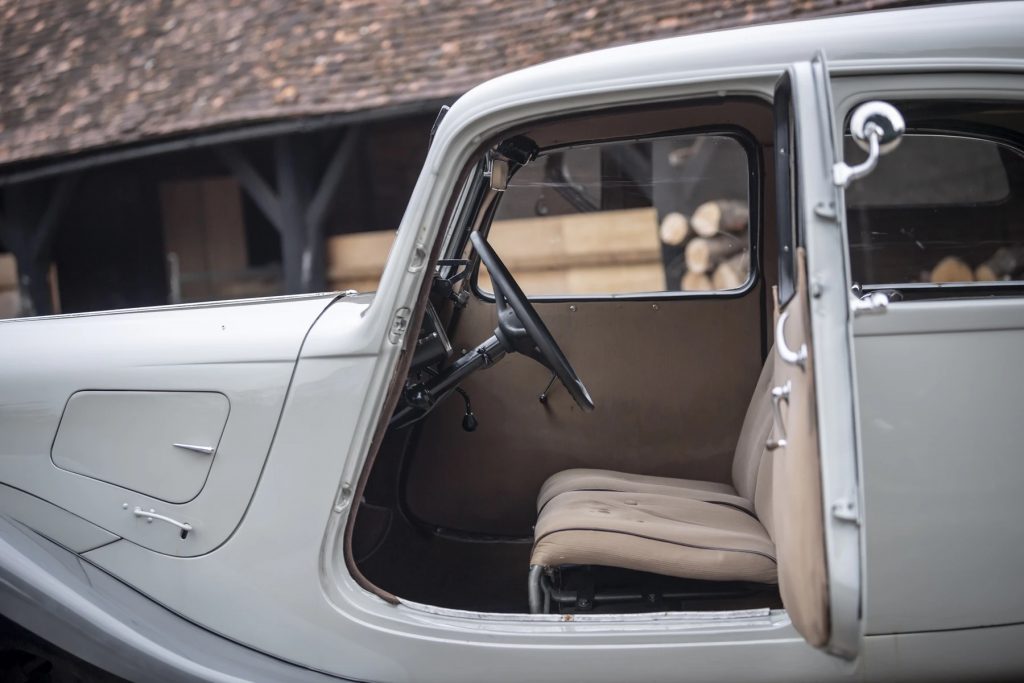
<point>674,229</point>
<point>1003,265</point>
<point>704,253</point>
<point>952,269</point>
<point>733,273</point>
<point>696,282</point>
<point>711,218</point>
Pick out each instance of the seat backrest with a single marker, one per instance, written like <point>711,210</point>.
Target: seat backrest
<point>752,462</point>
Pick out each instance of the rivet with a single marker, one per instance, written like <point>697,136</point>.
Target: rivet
<point>572,308</point>
<point>339,508</point>
<point>654,306</point>
<point>124,506</point>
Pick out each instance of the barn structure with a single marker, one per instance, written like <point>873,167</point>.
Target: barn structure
<point>163,151</point>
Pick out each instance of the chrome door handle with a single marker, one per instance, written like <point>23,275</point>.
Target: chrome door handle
<point>779,394</point>
<point>798,357</point>
<point>152,514</point>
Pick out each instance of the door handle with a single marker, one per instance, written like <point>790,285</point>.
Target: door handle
<point>779,394</point>
<point>798,357</point>
<point>151,514</point>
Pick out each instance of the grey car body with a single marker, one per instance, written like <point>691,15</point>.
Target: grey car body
<point>920,468</point>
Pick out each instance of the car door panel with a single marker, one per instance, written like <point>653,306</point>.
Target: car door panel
<point>941,385</point>
<point>237,356</point>
<point>797,501</point>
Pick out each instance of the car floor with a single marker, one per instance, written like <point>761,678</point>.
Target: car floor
<point>416,564</point>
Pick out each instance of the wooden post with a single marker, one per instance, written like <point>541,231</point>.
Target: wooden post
<point>298,207</point>
<point>28,228</point>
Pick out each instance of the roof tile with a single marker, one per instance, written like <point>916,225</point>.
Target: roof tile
<point>79,74</point>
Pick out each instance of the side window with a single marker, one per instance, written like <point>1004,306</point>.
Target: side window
<point>943,208</point>
<point>658,215</point>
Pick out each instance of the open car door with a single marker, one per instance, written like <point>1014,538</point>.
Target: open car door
<point>816,497</point>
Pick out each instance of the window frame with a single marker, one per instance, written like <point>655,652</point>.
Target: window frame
<point>919,291</point>
<point>787,189</point>
<point>755,186</point>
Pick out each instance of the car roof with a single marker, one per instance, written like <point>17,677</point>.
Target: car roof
<point>981,35</point>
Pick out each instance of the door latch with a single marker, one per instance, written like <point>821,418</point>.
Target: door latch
<point>399,324</point>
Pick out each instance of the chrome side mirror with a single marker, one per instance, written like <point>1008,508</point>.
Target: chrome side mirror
<point>877,127</point>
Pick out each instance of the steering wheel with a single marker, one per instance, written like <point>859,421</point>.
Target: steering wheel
<point>521,329</point>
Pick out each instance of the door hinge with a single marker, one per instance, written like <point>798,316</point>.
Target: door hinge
<point>845,509</point>
<point>399,324</point>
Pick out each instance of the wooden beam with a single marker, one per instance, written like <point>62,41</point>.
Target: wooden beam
<point>331,179</point>
<point>296,252</point>
<point>254,184</point>
<point>636,165</point>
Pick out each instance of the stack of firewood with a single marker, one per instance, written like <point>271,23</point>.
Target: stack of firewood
<point>1007,263</point>
<point>713,242</point>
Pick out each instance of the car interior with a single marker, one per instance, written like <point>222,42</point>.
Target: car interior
<point>588,419</point>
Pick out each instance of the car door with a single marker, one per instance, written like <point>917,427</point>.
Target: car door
<point>815,493</point>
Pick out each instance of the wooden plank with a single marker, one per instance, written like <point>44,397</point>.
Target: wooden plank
<point>626,236</point>
<point>10,303</point>
<point>358,256</point>
<point>204,225</point>
<point>607,279</point>
<point>181,215</point>
<point>570,254</point>
<point>8,272</point>
<point>226,245</point>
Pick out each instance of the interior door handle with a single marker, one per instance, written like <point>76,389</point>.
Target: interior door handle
<point>779,394</point>
<point>798,357</point>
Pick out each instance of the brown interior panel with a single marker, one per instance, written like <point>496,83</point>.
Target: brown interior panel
<point>671,380</point>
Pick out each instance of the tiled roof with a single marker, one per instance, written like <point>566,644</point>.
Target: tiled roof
<point>82,74</point>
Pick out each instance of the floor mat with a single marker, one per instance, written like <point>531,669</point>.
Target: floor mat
<point>436,570</point>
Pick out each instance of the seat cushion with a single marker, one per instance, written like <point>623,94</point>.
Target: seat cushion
<point>663,534</point>
<point>607,480</point>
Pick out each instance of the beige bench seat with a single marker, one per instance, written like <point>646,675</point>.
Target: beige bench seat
<point>676,527</point>
<point>608,480</point>
<point>666,534</point>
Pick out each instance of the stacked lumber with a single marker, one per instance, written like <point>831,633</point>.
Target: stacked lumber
<point>10,298</point>
<point>590,253</point>
<point>714,243</point>
<point>356,260</point>
<point>583,253</point>
<point>1006,263</point>
<point>10,294</point>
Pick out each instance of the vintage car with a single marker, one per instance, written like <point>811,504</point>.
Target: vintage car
<point>700,359</point>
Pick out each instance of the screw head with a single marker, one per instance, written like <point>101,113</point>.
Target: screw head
<point>572,308</point>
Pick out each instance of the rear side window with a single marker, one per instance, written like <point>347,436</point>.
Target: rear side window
<point>641,216</point>
<point>943,208</point>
